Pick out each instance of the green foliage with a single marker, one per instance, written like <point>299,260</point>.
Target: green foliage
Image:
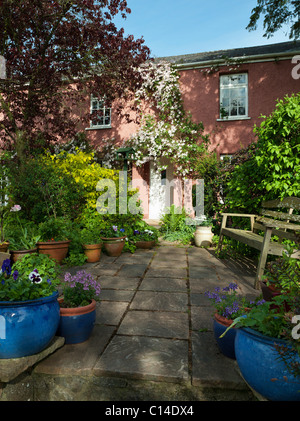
<point>55,229</point>
<point>174,227</point>
<point>47,267</point>
<point>269,168</point>
<point>43,191</point>
<point>284,273</point>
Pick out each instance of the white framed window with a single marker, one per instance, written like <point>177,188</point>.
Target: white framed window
<point>234,96</point>
<point>100,114</point>
<point>226,158</point>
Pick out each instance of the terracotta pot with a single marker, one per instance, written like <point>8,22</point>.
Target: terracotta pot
<point>4,247</point>
<point>76,324</point>
<point>145,244</point>
<point>18,254</point>
<point>114,246</point>
<point>92,252</point>
<point>57,250</point>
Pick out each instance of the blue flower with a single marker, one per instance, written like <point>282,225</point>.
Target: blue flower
<point>6,267</point>
<point>15,275</point>
<point>122,230</point>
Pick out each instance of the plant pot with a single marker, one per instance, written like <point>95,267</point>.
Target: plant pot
<point>27,327</point>
<point>57,250</point>
<point>18,254</point>
<point>225,344</point>
<point>4,247</point>
<point>114,246</point>
<point>261,367</point>
<point>76,324</point>
<point>203,236</point>
<point>92,252</point>
<point>145,244</point>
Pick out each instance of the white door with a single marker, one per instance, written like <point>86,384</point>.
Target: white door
<point>161,194</point>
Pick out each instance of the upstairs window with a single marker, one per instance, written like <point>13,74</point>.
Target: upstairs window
<point>234,96</point>
<point>100,114</point>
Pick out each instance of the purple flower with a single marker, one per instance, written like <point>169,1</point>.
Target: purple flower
<point>6,267</point>
<point>115,228</point>
<point>15,275</point>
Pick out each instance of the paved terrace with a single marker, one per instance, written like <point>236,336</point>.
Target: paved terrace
<point>153,336</point>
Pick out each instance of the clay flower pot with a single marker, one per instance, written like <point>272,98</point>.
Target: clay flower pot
<point>114,246</point>
<point>57,250</point>
<point>76,324</point>
<point>4,246</point>
<point>145,244</point>
<point>92,252</point>
<point>18,254</point>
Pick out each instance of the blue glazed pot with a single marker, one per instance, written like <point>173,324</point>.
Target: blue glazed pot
<point>76,324</point>
<point>225,344</point>
<point>262,369</point>
<point>27,327</point>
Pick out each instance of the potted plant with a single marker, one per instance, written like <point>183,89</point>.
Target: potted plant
<point>54,238</point>
<point>91,244</point>
<point>78,307</point>
<point>29,312</point>
<point>267,348</point>
<point>113,240</point>
<point>281,275</point>
<point>203,234</point>
<point>21,240</point>
<point>228,305</point>
<point>145,238</point>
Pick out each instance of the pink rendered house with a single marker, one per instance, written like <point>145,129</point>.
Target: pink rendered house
<point>228,91</point>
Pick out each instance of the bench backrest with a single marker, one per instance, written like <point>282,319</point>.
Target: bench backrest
<point>286,220</point>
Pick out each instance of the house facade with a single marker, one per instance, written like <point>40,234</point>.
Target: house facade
<point>228,91</point>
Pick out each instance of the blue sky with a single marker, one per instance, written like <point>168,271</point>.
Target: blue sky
<point>175,27</point>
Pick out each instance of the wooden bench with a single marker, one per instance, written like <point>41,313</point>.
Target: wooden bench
<point>284,225</point>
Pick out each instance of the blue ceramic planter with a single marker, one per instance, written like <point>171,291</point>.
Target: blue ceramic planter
<point>262,369</point>
<point>225,344</point>
<point>27,327</point>
<point>76,324</point>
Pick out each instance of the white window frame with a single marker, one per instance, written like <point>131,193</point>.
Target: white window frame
<point>100,104</point>
<point>233,87</point>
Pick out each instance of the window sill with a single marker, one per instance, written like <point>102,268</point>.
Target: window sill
<point>98,128</point>
<point>233,118</point>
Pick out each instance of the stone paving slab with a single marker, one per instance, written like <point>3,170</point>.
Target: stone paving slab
<point>141,357</point>
<point>77,359</point>
<point>160,301</point>
<point>118,282</point>
<point>110,312</point>
<point>132,270</point>
<point>163,284</point>
<point>210,368</point>
<point>116,295</point>
<point>156,324</point>
<point>167,272</point>
<point>202,318</point>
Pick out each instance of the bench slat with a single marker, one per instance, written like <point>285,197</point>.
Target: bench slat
<point>287,202</point>
<point>281,215</point>
<point>278,224</point>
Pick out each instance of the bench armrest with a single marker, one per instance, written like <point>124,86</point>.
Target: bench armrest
<point>249,215</point>
<point>238,214</point>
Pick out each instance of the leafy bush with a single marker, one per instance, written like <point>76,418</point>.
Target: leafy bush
<point>271,167</point>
